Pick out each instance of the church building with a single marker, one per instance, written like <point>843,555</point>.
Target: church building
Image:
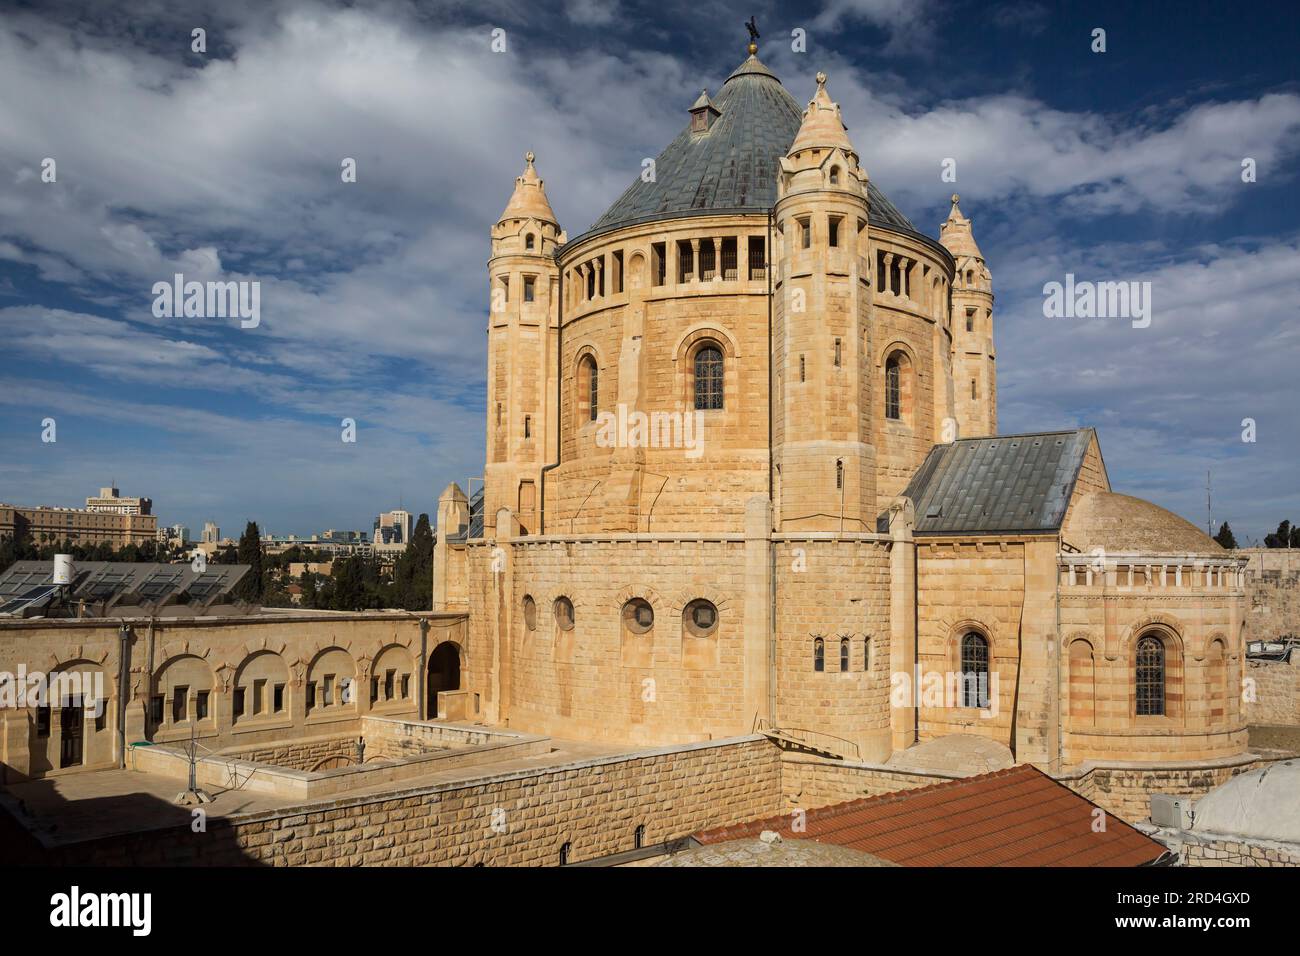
<point>744,473</point>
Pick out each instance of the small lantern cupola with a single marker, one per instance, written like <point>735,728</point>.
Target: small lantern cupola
<point>703,113</point>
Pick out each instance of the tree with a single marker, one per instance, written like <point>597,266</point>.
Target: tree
<point>1225,537</point>
<point>251,585</point>
<point>349,585</point>
<point>413,575</point>
<point>1284,537</point>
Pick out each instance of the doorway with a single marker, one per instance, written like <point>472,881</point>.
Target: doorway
<point>444,674</point>
<point>71,729</point>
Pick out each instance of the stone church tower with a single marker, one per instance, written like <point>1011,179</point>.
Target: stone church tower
<point>522,326</point>
<point>824,449</point>
<point>974,374</point>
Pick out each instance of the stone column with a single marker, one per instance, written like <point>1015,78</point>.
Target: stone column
<point>759,645</point>
<point>902,620</point>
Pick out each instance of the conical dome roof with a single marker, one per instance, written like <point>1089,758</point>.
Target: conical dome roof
<point>529,199</point>
<point>956,235</point>
<point>822,124</point>
<point>731,167</point>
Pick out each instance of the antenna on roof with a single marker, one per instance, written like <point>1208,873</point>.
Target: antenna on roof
<point>1209,521</point>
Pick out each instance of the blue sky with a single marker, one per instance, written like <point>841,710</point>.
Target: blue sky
<point>1115,166</point>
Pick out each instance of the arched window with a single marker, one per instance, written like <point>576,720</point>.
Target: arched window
<point>835,175</point>
<point>638,616</point>
<point>708,377</point>
<point>639,836</point>
<point>588,387</point>
<point>844,653</point>
<point>528,241</point>
<point>530,612</point>
<point>563,609</point>
<point>564,854</point>
<point>1150,677</point>
<point>819,655</point>
<point>974,671</point>
<point>893,387</point>
<point>700,618</point>
<point>866,653</point>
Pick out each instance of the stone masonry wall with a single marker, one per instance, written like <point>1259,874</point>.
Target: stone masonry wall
<point>594,806</point>
<point>1213,850</point>
<point>1126,791</point>
<point>306,754</point>
<point>1276,692</point>
<point>1272,592</point>
<point>810,782</point>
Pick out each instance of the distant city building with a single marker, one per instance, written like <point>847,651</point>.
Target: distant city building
<point>393,527</point>
<point>47,525</point>
<point>211,533</point>
<point>334,536</point>
<point>110,501</point>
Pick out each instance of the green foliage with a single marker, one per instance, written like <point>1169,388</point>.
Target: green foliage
<point>413,574</point>
<point>252,585</point>
<point>1225,537</point>
<point>1286,536</point>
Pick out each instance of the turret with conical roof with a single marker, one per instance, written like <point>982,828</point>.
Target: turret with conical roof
<point>522,325</point>
<point>821,324</point>
<point>974,370</point>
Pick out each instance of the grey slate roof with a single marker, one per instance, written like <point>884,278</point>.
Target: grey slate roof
<point>1007,483</point>
<point>731,168</point>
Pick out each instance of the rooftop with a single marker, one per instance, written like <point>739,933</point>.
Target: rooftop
<point>1007,483</point>
<point>730,168</point>
<point>1015,817</point>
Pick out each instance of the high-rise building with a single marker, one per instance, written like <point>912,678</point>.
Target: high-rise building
<point>401,524</point>
<point>211,533</point>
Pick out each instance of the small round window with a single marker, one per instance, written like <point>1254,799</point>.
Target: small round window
<point>530,612</point>
<point>638,616</point>
<point>701,618</point>
<point>564,613</point>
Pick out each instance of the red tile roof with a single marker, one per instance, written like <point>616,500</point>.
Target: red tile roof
<point>1015,817</point>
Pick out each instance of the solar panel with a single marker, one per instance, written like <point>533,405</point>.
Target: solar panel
<point>205,584</point>
<point>31,597</point>
<point>17,582</point>
<point>159,584</point>
<point>104,586</point>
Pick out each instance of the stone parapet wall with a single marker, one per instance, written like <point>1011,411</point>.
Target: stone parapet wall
<point>1126,791</point>
<point>1275,691</point>
<point>594,806</point>
<point>811,782</point>
<point>1216,850</point>
<point>1272,592</point>
<point>306,754</point>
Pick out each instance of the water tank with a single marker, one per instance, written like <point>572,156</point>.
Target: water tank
<point>63,570</point>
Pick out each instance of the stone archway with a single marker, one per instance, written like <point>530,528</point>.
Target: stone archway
<point>444,674</point>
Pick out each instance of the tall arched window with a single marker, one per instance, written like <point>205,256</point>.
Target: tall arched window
<point>893,387</point>
<point>1150,677</point>
<point>708,377</point>
<point>835,175</point>
<point>588,387</point>
<point>819,655</point>
<point>974,671</point>
<point>844,653</point>
<point>528,241</point>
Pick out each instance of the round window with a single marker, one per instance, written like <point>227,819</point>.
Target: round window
<point>638,616</point>
<point>530,612</point>
<point>564,613</point>
<point>701,618</point>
